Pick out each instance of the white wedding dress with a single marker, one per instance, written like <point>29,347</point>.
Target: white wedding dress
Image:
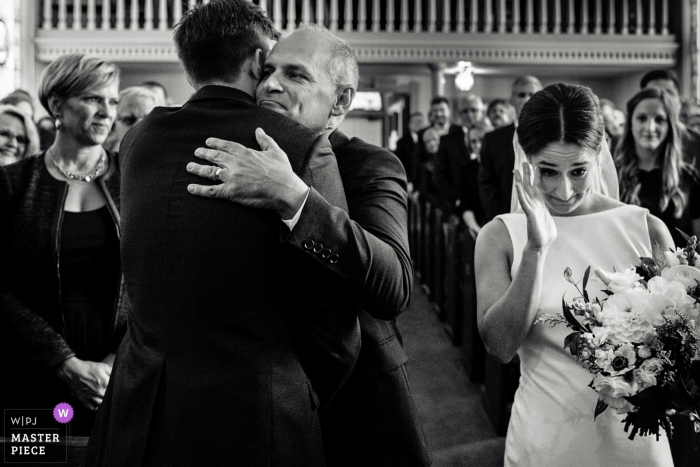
<point>552,424</point>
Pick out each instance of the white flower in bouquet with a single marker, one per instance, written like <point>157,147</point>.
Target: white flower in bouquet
<point>644,352</point>
<point>624,359</point>
<point>677,257</point>
<point>644,378</point>
<point>613,389</point>
<point>652,365</point>
<point>667,298</point>
<point>597,338</point>
<point>626,315</point>
<point>618,281</point>
<point>604,359</point>
<point>686,275</point>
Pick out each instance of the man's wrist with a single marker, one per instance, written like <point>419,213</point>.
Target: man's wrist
<point>292,199</point>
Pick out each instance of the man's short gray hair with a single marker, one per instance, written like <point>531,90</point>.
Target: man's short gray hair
<point>527,79</point>
<point>139,92</point>
<point>342,67</point>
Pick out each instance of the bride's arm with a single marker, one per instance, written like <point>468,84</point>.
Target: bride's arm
<point>506,306</point>
<point>658,233</point>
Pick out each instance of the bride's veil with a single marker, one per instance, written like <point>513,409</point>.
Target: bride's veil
<point>605,175</point>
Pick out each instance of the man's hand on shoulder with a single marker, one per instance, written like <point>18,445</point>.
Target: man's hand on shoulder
<point>259,179</point>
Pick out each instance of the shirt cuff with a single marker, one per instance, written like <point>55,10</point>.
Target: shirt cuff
<point>293,221</point>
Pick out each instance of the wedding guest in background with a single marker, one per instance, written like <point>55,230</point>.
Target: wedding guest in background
<point>162,94</point>
<point>135,103</point>
<point>501,113</point>
<point>666,80</point>
<point>472,112</point>
<point>564,219</point>
<point>374,408</point>
<point>47,132</point>
<point>407,144</point>
<point>653,171</point>
<point>475,140</point>
<point>20,99</point>
<point>620,120</point>
<point>690,139</point>
<point>690,114</point>
<point>18,135</point>
<point>441,116</point>
<point>454,147</point>
<point>456,175</point>
<point>64,204</point>
<point>612,129</point>
<point>424,171</point>
<point>497,154</point>
<point>423,157</point>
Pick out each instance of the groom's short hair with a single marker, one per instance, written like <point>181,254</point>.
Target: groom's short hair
<point>214,40</point>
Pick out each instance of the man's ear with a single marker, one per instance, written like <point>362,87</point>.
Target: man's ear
<point>257,64</point>
<point>55,104</point>
<point>344,97</point>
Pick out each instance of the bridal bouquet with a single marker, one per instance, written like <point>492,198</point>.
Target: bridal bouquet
<point>641,343</point>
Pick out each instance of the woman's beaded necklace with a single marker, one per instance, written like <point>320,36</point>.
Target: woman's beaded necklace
<point>82,177</point>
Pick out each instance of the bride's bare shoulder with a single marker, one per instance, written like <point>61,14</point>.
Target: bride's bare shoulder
<point>494,238</point>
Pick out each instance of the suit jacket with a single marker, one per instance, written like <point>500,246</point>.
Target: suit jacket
<point>209,371</point>
<point>372,420</point>
<point>496,171</point>
<point>405,147</point>
<point>456,175</point>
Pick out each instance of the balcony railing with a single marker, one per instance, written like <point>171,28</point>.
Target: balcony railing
<point>628,33</point>
<point>594,17</point>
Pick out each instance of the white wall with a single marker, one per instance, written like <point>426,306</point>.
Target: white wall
<point>369,130</point>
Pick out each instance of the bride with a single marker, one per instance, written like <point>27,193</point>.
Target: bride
<point>566,220</point>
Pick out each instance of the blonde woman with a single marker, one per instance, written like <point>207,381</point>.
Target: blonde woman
<point>60,274</point>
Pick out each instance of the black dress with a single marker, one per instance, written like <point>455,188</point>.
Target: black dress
<point>650,197</point>
<point>89,271</point>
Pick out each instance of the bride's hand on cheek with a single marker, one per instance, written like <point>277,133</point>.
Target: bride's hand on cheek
<point>541,230</point>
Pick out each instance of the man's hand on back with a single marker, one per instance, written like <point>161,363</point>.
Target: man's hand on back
<point>259,179</point>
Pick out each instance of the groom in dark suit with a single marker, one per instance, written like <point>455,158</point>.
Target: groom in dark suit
<point>209,372</point>
<point>311,76</point>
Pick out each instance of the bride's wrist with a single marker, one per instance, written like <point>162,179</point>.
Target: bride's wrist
<point>536,249</point>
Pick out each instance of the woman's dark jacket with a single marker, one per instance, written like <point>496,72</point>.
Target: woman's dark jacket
<point>31,212</point>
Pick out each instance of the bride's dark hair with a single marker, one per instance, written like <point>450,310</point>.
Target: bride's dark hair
<point>561,113</point>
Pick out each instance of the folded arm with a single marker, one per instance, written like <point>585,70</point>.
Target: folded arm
<point>369,247</point>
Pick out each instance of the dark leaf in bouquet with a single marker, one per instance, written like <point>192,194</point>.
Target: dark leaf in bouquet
<point>647,396</point>
<point>599,408</point>
<point>571,343</point>
<point>575,324</point>
<point>608,293</point>
<point>685,235</point>
<point>644,271</point>
<point>586,275</point>
<point>683,394</point>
